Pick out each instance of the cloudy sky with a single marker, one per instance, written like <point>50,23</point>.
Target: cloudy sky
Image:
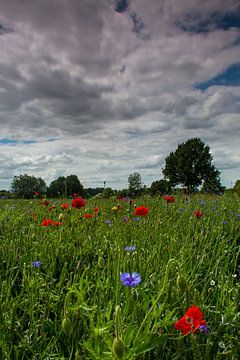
<point>105,88</point>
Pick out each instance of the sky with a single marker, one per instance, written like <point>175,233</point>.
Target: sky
<point>105,88</point>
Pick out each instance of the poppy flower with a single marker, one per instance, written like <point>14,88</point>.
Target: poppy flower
<point>75,195</point>
<point>45,202</point>
<point>78,202</point>
<point>198,214</point>
<point>56,223</point>
<point>141,211</point>
<point>47,222</point>
<point>96,209</point>
<point>36,193</point>
<point>64,206</point>
<point>119,197</point>
<point>170,199</point>
<point>87,216</point>
<point>191,321</point>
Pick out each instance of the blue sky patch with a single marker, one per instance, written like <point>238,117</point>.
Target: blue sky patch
<point>216,21</point>
<point>16,142</point>
<point>230,77</point>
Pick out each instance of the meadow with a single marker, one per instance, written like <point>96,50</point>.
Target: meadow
<point>109,281</point>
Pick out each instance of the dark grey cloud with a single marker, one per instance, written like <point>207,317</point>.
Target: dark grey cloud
<point>5,29</point>
<point>122,5</point>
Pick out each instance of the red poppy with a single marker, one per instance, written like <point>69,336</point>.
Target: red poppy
<point>170,199</point>
<point>88,216</point>
<point>36,193</point>
<point>45,203</point>
<point>96,209</point>
<point>64,206</point>
<point>75,195</point>
<point>198,213</point>
<point>56,223</point>
<point>119,197</point>
<point>47,222</point>
<point>141,211</point>
<point>78,202</point>
<point>191,321</point>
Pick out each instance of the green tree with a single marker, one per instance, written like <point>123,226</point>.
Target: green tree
<point>65,186</point>
<point>212,183</point>
<point>25,186</point>
<point>190,165</point>
<point>135,183</point>
<point>236,187</point>
<point>160,187</point>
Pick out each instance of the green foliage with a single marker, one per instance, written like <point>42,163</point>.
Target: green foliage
<point>160,187</point>
<point>25,185</point>
<point>191,164</point>
<point>135,183</point>
<point>65,186</point>
<point>236,187</point>
<point>107,193</point>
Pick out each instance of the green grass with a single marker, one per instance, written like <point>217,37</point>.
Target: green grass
<point>79,279</point>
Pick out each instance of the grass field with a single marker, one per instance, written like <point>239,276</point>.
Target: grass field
<point>63,287</point>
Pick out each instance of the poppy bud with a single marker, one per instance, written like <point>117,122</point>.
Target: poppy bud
<point>118,348</point>
<point>66,326</point>
<point>60,217</point>
<point>101,262</point>
<point>181,282</point>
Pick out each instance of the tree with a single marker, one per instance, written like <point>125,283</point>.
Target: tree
<point>65,186</point>
<point>190,165</point>
<point>135,183</point>
<point>236,187</point>
<point>212,183</point>
<point>25,186</point>
<point>160,187</point>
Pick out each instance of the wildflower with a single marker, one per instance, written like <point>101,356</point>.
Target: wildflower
<point>126,219</point>
<point>130,248</point>
<point>119,197</point>
<point>56,223</point>
<point>75,195</point>
<point>141,211</point>
<point>64,206</point>
<point>47,222</point>
<point>37,264</point>
<point>137,219</point>
<point>130,280</point>
<point>45,203</point>
<point>108,222</point>
<point>87,216</point>
<point>191,321</point>
<point>198,213</point>
<point>96,209</point>
<point>36,193</point>
<point>170,199</point>
<point>204,328</point>
<point>114,208</point>
<point>78,202</point>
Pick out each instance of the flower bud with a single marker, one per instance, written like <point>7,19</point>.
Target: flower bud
<point>66,326</point>
<point>118,348</point>
<point>181,282</point>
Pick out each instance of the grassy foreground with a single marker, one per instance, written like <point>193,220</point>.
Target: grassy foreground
<point>61,296</point>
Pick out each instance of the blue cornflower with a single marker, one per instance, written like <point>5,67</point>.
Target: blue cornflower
<point>130,248</point>
<point>137,219</point>
<point>130,280</point>
<point>108,222</point>
<point>224,222</point>
<point>37,264</point>
<point>204,328</point>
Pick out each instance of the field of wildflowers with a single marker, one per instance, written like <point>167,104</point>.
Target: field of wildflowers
<point>150,278</point>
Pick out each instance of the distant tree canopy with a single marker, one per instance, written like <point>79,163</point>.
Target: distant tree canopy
<point>190,165</point>
<point>25,186</point>
<point>65,186</point>
<point>236,187</point>
<point>160,187</point>
<point>135,183</point>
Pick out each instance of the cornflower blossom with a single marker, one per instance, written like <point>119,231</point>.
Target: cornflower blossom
<point>130,248</point>
<point>130,280</point>
<point>191,321</point>
<point>36,264</point>
<point>108,222</point>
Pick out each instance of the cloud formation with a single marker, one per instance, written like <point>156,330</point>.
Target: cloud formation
<point>116,85</point>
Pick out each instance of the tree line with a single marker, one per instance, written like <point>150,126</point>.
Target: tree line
<point>187,168</point>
